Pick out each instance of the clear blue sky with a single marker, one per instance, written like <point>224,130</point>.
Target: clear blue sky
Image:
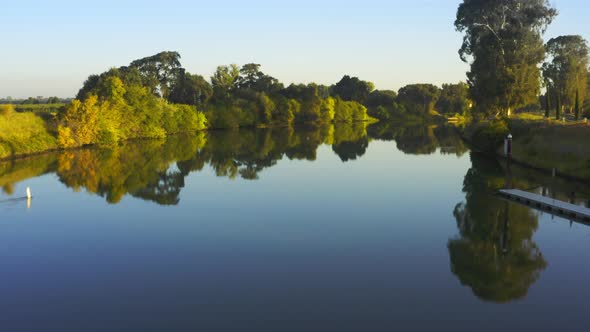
<point>50,47</point>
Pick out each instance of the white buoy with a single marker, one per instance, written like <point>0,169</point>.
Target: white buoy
<point>29,193</point>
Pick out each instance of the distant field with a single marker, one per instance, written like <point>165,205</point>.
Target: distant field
<point>40,108</point>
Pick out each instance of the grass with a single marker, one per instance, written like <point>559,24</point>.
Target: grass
<point>554,145</point>
<point>546,143</point>
<point>23,134</point>
<point>537,141</point>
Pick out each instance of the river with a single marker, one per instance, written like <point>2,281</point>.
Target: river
<point>333,228</point>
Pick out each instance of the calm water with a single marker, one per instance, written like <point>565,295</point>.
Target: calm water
<point>346,228</point>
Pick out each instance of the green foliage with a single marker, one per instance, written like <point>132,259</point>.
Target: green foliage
<point>381,113</point>
<point>328,109</point>
<point>23,133</point>
<point>308,97</point>
<point>349,111</point>
<point>182,118</point>
<point>566,70</point>
<point>502,42</point>
<point>53,100</point>
<point>381,104</point>
<point>81,121</point>
<point>224,81</point>
<point>251,78</point>
<point>31,101</point>
<point>454,99</point>
<point>419,98</point>
<point>158,72</point>
<point>190,89</point>
<point>285,111</point>
<point>378,98</point>
<point>119,107</point>
<point>6,110</point>
<point>224,116</point>
<point>266,109</point>
<point>352,89</point>
<point>488,137</point>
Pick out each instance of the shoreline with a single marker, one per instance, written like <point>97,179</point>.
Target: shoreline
<point>22,156</point>
<point>542,146</point>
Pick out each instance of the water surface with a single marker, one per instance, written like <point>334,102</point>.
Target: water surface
<point>331,228</point>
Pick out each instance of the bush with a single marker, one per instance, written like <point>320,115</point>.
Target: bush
<point>285,111</point>
<point>381,113</point>
<point>489,137</point>
<point>349,111</point>
<point>328,109</point>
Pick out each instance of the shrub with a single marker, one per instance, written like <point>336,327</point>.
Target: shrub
<point>490,137</point>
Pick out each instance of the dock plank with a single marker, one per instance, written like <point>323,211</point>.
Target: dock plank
<point>546,203</point>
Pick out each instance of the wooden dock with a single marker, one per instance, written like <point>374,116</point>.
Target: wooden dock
<point>548,204</point>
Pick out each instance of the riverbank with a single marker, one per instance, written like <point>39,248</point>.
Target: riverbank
<point>29,134</point>
<point>539,143</point>
<point>24,134</point>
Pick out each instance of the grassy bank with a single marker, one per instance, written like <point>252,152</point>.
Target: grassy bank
<point>23,133</point>
<point>545,144</point>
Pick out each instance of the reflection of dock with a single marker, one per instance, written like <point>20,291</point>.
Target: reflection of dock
<point>553,206</point>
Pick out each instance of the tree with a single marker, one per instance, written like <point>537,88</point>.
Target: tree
<point>566,69</point>
<point>309,99</point>
<point>31,100</point>
<point>380,98</point>
<point>53,100</point>
<point>251,78</point>
<point>381,104</point>
<point>419,98</point>
<point>80,123</point>
<point>454,99</point>
<point>190,89</point>
<point>224,81</point>
<point>352,89</point>
<point>159,71</point>
<point>502,42</point>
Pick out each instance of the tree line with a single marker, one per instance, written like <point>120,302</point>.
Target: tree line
<point>35,100</point>
<point>155,97</point>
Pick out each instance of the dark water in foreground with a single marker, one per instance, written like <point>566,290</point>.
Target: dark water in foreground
<point>343,228</point>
